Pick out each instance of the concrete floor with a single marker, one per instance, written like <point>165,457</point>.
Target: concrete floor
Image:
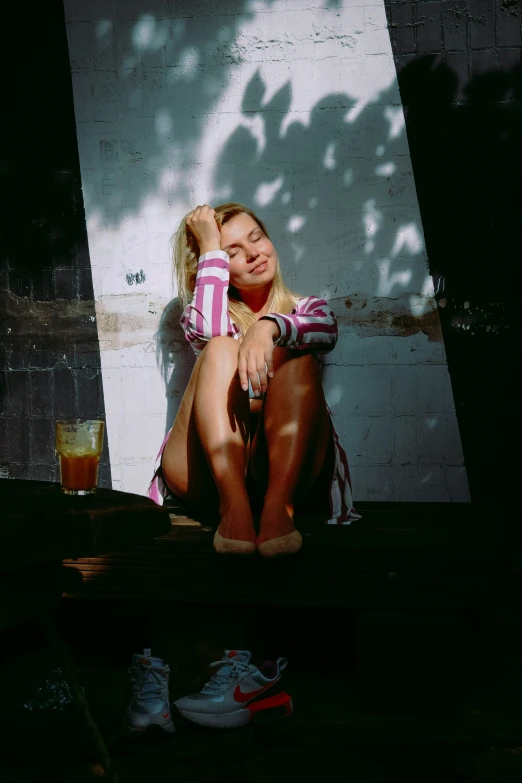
<point>333,732</point>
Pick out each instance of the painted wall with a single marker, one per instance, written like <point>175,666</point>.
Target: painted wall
<point>292,107</point>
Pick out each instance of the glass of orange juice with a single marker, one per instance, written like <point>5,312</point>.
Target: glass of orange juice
<point>79,445</point>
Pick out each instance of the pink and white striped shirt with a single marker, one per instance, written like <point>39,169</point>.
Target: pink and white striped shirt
<point>311,325</point>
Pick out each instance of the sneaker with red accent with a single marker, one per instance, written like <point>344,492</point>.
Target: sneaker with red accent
<point>149,704</point>
<point>238,692</point>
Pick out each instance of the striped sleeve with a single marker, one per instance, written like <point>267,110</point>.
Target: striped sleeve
<point>311,325</point>
<point>207,315</point>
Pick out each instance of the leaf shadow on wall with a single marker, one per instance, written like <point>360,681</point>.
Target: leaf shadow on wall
<point>462,159</point>
<point>322,199</point>
<point>303,172</point>
<point>162,110</point>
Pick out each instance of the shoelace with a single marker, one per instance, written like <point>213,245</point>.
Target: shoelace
<point>150,678</point>
<point>229,668</point>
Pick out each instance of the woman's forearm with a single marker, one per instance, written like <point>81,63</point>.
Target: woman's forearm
<point>313,326</point>
<point>204,249</point>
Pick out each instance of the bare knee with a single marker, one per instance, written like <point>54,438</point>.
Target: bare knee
<point>218,361</point>
<point>221,349</point>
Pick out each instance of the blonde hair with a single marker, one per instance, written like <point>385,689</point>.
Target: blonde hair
<point>185,260</point>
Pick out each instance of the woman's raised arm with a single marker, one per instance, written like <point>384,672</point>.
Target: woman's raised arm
<point>207,315</point>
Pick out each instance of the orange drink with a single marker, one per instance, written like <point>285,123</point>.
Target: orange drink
<point>79,472</point>
<point>79,445</point>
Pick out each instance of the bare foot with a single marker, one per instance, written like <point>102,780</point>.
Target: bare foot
<point>235,534</point>
<point>278,535</point>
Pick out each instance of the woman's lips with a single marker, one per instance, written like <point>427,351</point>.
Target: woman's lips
<point>259,269</point>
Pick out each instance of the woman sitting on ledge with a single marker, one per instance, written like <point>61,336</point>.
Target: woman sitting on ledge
<point>253,432</point>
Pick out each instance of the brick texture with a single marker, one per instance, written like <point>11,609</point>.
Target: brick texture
<point>463,118</point>
<point>46,293</point>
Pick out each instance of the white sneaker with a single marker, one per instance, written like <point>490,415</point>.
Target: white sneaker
<point>238,692</point>
<point>149,704</point>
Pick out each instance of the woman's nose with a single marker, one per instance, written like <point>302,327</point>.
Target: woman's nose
<point>252,253</point>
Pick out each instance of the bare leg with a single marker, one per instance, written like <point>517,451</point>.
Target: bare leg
<point>297,434</point>
<point>212,427</point>
<point>185,467</point>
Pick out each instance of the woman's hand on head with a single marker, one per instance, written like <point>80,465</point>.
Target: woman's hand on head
<point>201,222</point>
<point>255,357</point>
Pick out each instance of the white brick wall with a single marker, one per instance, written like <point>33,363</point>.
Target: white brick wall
<point>291,107</point>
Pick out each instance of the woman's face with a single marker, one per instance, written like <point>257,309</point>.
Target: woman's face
<point>253,260</point>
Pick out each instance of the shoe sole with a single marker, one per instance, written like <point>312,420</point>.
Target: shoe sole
<point>243,716</point>
<point>135,731</point>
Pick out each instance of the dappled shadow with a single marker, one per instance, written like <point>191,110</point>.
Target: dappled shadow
<point>333,182</point>
<point>157,79</point>
<point>330,198</point>
<point>462,153</point>
<point>306,181</point>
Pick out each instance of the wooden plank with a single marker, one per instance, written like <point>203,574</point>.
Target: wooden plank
<point>412,597</point>
<point>41,525</point>
<point>363,535</point>
<point>385,515</point>
<point>438,564</point>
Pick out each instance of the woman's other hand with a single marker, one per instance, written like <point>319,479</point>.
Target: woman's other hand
<point>255,357</point>
<point>201,222</point>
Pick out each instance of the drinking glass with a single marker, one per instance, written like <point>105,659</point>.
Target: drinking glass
<point>79,445</point>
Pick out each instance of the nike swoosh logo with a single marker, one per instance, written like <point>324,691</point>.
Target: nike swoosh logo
<point>242,697</point>
<point>165,714</point>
